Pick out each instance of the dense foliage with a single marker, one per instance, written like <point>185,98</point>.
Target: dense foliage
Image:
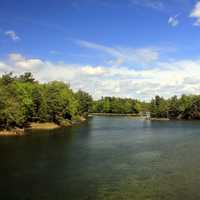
<point>118,105</point>
<point>24,100</point>
<point>185,107</point>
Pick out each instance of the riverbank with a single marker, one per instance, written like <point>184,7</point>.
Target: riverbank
<point>47,126</point>
<point>13,132</point>
<point>33,126</point>
<point>135,116</point>
<point>41,126</point>
<point>114,114</point>
<point>159,119</point>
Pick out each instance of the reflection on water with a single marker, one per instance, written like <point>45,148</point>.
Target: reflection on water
<point>105,158</point>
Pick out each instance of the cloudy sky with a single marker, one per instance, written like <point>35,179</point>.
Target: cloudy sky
<point>127,48</point>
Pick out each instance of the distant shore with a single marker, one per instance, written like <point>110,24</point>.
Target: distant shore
<point>114,114</point>
<point>159,119</point>
<point>135,116</point>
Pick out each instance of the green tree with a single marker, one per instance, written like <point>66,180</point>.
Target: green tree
<point>84,102</point>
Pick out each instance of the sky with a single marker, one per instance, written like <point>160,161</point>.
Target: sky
<point>123,48</point>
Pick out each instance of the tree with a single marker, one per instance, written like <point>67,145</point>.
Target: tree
<point>159,107</point>
<point>39,104</point>
<point>84,102</point>
<point>61,102</point>
<point>7,79</point>
<point>12,113</point>
<point>26,77</point>
<point>24,100</point>
<point>106,105</point>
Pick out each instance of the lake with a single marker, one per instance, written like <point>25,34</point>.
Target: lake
<point>116,158</point>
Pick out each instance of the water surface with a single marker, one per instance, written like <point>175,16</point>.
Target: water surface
<point>107,158</point>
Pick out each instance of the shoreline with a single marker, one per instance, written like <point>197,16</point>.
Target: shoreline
<point>43,126</point>
<point>114,114</point>
<point>12,132</point>
<point>52,125</point>
<point>159,119</point>
<point>32,126</point>
<point>39,126</point>
<point>135,116</point>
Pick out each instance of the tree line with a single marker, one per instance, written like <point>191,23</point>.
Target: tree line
<point>116,105</point>
<point>24,100</point>
<point>185,107</point>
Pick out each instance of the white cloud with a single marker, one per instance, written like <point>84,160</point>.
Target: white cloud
<point>3,67</point>
<point>100,47</point>
<point>173,21</point>
<point>145,55</point>
<point>196,14</point>
<point>123,55</point>
<point>165,78</point>
<point>20,62</point>
<point>154,4</point>
<point>15,57</point>
<point>12,35</point>
<point>93,71</point>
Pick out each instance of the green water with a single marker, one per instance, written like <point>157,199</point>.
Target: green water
<point>107,158</point>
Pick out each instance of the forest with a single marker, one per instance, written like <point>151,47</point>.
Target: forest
<point>185,107</point>
<point>24,100</point>
<point>117,105</point>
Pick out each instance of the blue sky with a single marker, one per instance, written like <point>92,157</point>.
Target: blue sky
<point>101,45</point>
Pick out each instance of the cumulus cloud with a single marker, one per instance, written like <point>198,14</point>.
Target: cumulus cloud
<point>165,78</point>
<point>93,71</point>
<point>12,35</point>
<point>196,14</point>
<point>173,21</point>
<point>21,63</point>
